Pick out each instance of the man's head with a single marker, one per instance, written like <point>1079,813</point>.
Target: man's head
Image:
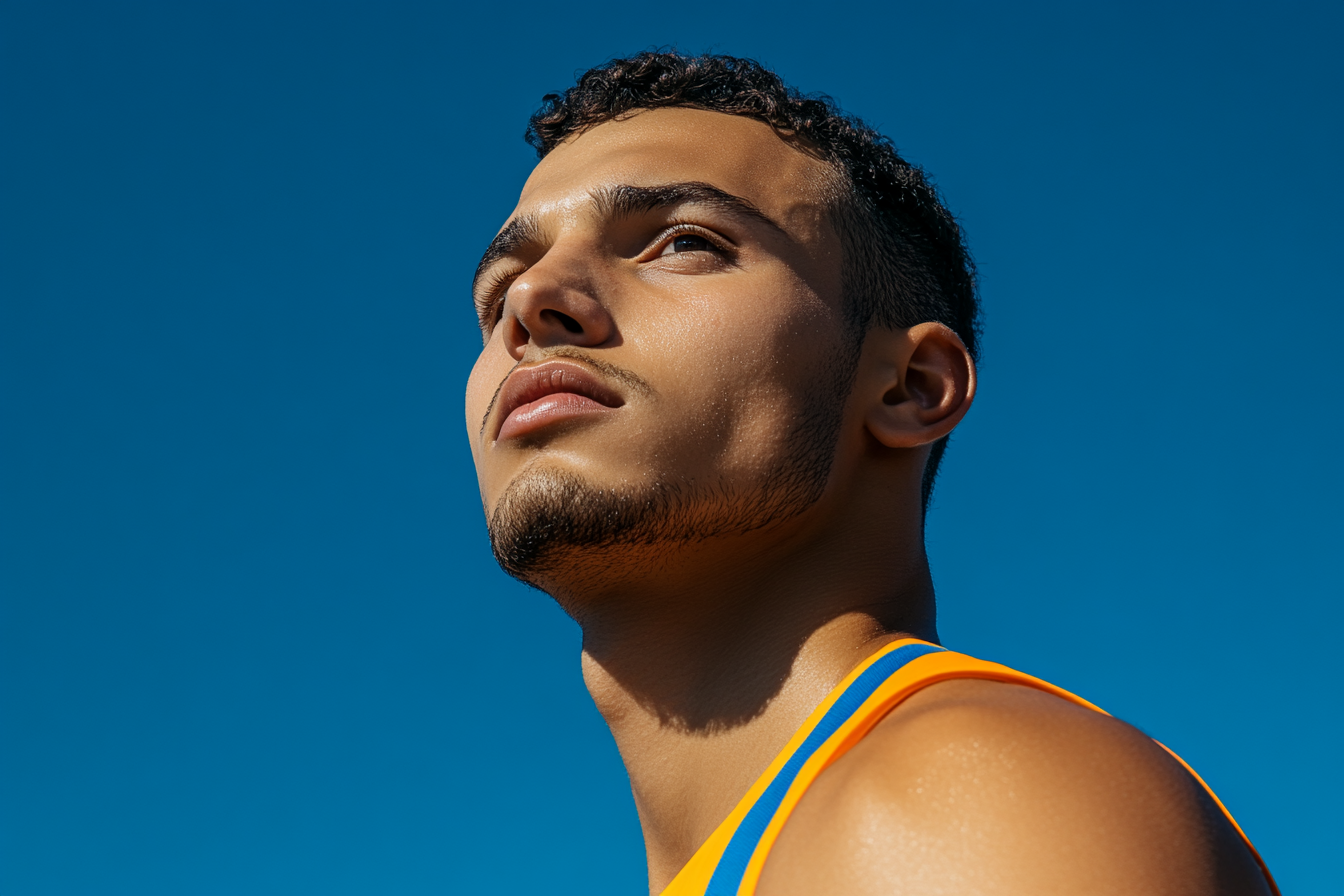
<point>697,262</point>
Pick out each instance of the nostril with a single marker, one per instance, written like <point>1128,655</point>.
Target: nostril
<point>565,320</point>
<point>520,333</point>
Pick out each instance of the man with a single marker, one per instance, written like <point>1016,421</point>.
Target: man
<point>727,333</point>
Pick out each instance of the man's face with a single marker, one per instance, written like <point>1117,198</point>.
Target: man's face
<point>667,356</point>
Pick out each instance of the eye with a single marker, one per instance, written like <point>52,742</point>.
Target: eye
<point>689,242</point>
<point>490,299</point>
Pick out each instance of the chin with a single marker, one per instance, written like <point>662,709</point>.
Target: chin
<point>564,534</point>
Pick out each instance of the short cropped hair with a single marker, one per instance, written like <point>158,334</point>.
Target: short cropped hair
<point>905,259</point>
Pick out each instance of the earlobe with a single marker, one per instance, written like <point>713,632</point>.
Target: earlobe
<point>921,383</point>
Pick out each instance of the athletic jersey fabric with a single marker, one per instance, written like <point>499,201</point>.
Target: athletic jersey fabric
<point>729,863</point>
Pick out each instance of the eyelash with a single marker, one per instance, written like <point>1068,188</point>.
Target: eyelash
<point>497,283</point>
<point>681,228</point>
<point>492,299</point>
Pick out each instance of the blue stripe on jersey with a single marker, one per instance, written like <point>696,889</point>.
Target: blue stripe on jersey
<point>728,874</point>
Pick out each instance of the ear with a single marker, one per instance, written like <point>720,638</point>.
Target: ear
<point>919,383</point>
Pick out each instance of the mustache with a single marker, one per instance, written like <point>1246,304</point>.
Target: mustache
<point>628,378</point>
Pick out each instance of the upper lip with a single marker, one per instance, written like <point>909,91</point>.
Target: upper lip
<point>528,384</point>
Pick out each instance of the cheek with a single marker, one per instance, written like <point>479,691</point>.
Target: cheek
<point>743,372</point>
<point>486,375</point>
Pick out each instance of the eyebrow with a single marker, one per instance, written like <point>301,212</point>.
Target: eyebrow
<point>625,201</point>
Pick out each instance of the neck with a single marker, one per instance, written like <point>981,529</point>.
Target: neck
<point>705,670</point>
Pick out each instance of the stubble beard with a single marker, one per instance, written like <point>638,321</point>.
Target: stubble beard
<point>558,531</point>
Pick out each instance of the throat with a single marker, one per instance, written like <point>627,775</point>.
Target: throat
<point>698,713</point>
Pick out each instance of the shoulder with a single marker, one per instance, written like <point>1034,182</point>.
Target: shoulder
<point>985,787</point>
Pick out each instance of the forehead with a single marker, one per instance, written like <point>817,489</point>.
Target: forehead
<point>738,155</point>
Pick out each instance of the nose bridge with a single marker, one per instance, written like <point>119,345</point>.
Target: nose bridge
<point>562,273</point>
<point>558,299</point>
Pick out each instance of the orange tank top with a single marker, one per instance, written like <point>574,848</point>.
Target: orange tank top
<point>729,863</point>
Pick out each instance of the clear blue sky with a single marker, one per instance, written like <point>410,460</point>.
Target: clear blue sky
<point>251,637</point>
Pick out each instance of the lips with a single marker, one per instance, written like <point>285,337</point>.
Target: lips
<point>555,391</point>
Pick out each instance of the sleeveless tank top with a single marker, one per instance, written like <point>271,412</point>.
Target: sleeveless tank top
<point>729,863</point>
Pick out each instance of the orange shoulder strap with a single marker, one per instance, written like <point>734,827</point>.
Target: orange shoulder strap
<point>729,863</point>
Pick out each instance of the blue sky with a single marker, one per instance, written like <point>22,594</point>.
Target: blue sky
<point>251,638</point>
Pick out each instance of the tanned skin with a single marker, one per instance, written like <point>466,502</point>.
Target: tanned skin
<point>705,656</point>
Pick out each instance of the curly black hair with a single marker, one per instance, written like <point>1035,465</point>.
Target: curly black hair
<point>905,255</point>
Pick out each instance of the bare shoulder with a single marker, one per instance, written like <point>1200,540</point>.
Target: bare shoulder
<point>979,787</point>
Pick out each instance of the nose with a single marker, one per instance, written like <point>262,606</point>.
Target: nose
<point>555,302</point>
